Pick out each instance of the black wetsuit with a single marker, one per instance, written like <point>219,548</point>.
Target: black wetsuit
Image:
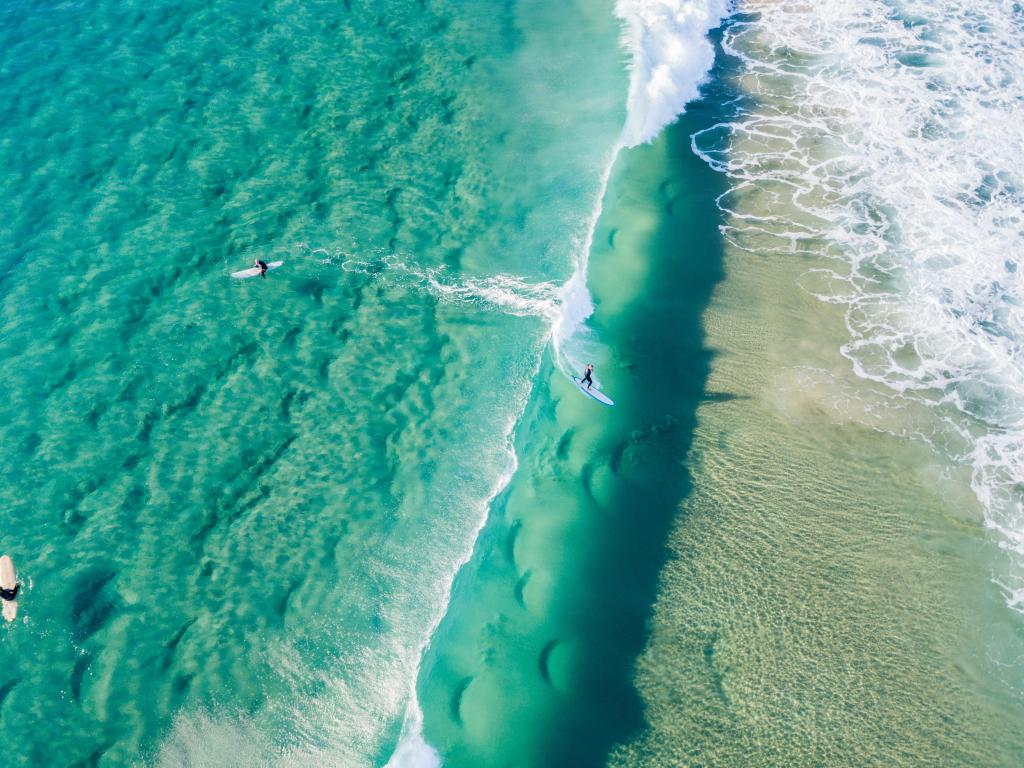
<point>10,594</point>
<point>263,268</point>
<point>586,378</point>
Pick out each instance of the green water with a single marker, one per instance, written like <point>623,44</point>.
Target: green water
<point>821,588</point>
<point>533,663</point>
<point>237,506</point>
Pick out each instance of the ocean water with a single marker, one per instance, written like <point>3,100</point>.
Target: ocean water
<point>842,583</point>
<point>888,135</point>
<point>355,514</point>
<point>237,506</point>
<point>828,585</point>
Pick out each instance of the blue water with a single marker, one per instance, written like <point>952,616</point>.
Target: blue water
<point>237,506</point>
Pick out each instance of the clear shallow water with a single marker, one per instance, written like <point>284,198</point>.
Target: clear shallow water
<point>533,663</point>
<point>826,595</point>
<point>237,506</point>
<point>883,140</point>
<point>824,591</point>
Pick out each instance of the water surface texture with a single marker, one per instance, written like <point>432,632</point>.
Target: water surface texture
<point>238,505</point>
<point>356,514</point>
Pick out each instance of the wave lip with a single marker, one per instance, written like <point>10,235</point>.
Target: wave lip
<point>670,57</point>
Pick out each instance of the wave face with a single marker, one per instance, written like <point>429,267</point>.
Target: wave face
<point>669,58</point>
<point>886,140</point>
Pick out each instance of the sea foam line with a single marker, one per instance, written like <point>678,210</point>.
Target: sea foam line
<point>670,57</point>
<point>412,750</point>
<point>887,137</point>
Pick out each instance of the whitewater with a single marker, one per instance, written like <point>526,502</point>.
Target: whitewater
<point>669,57</point>
<point>888,136</point>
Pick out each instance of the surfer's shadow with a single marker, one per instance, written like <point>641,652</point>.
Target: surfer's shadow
<point>722,397</point>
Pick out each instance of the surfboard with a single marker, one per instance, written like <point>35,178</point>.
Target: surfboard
<point>253,271</point>
<point>7,581</point>
<point>593,392</point>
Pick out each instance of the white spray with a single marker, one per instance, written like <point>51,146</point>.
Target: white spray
<point>669,59</point>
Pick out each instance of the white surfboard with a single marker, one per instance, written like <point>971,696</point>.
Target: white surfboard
<point>8,581</point>
<point>253,271</point>
<point>593,392</point>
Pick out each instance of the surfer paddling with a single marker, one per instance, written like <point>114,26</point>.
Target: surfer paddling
<point>587,376</point>
<point>9,587</point>
<point>262,267</point>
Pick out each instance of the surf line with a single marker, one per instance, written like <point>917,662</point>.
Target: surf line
<point>670,57</point>
<point>412,749</point>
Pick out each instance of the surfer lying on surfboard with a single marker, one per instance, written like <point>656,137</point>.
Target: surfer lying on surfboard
<point>587,375</point>
<point>9,587</point>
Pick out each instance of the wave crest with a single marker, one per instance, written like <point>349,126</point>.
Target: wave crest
<point>670,56</point>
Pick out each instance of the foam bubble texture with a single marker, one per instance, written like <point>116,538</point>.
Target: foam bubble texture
<point>886,138</point>
<point>670,57</point>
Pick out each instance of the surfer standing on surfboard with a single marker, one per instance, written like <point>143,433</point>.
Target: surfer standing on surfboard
<point>586,375</point>
<point>262,266</point>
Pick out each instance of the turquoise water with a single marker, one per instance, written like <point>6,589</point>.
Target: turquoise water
<point>761,556</point>
<point>533,664</point>
<point>355,514</point>
<point>237,505</point>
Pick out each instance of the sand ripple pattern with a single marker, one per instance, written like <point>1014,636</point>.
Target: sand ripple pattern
<point>238,505</point>
<point>884,141</point>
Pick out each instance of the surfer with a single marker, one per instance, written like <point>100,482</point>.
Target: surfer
<point>10,594</point>
<point>262,267</point>
<point>587,375</point>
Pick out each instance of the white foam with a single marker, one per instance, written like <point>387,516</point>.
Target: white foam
<point>412,750</point>
<point>506,294</point>
<point>887,137</point>
<point>576,304</point>
<point>339,726</point>
<point>669,58</point>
